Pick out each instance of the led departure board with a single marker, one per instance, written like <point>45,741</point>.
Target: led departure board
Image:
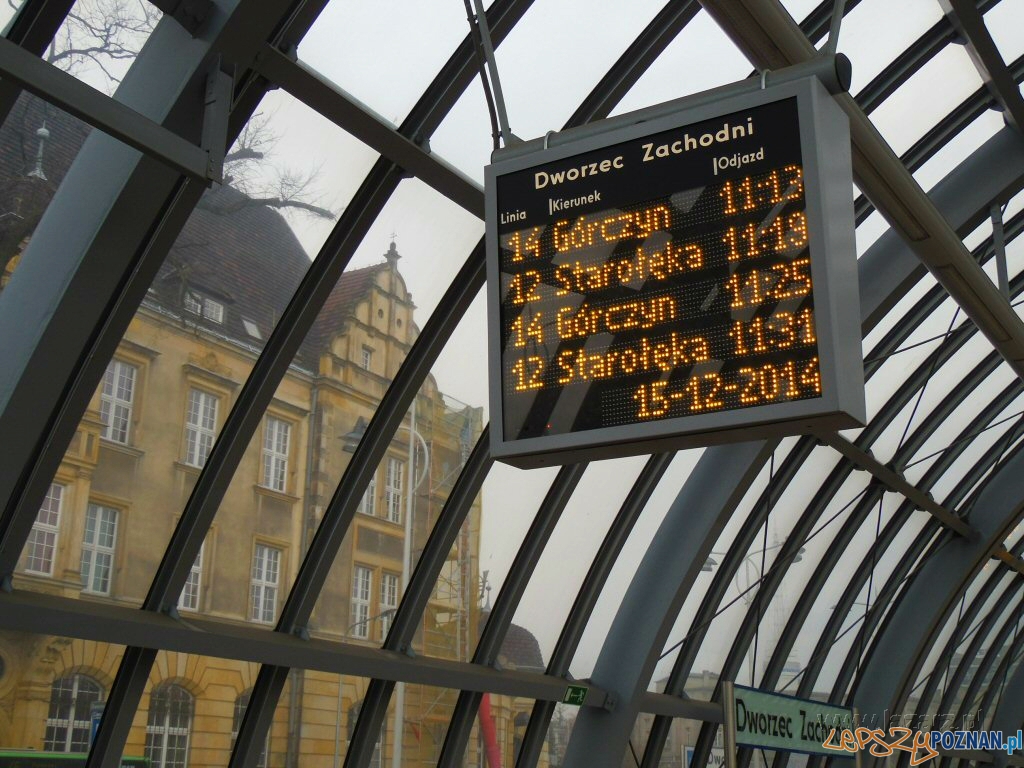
<point>675,282</point>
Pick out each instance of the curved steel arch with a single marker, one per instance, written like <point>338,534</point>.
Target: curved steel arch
<point>599,103</point>
<point>884,252</point>
<point>898,649</point>
<point>421,122</point>
<point>885,270</point>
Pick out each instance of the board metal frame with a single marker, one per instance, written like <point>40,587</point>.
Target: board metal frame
<point>826,159</point>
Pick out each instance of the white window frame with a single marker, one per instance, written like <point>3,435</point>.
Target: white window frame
<point>41,545</point>
<point>359,612</point>
<point>117,393</point>
<point>265,583</point>
<point>389,587</point>
<point>213,310</point>
<point>366,358</point>
<point>189,598</point>
<point>394,479</point>
<point>200,425</point>
<point>166,731</point>
<point>368,504</point>
<point>99,542</point>
<point>276,442</point>
<point>64,725</point>
<point>193,303</point>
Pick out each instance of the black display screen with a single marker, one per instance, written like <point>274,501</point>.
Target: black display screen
<point>658,278</point>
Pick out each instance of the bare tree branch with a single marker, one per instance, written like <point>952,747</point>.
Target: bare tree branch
<point>99,35</point>
<point>234,206</point>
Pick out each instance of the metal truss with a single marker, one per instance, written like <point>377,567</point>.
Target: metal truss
<point>970,24</point>
<point>891,259</point>
<point>167,182</point>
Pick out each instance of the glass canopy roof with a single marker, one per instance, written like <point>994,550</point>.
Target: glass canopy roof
<point>250,516</point>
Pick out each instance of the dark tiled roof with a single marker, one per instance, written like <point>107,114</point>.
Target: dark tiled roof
<point>520,648</point>
<point>240,253</point>
<point>353,286</point>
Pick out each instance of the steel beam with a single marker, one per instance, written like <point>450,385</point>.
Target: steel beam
<point>1009,713</point>
<point>422,120</point>
<point>112,117</point>
<point>766,33</point>
<point>928,598</point>
<point>500,618</point>
<point>318,93</point>
<point>887,270</point>
<point>897,482</point>
<point>43,614</point>
<point>970,24</point>
<point>586,599</point>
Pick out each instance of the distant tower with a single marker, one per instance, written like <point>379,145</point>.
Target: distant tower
<point>392,255</point>
<point>37,172</point>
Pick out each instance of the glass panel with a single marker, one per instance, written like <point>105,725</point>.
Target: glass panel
<point>172,381</point>
<point>100,39</point>
<point>571,549</point>
<point>702,52</point>
<point>497,733</point>
<point>929,95</point>
<point>629,559</point>
<point>553,39</point>
<point>799,9</point>
<point>51,686</point>
<point>677,750</point>
<point>559,732</point>
<point>193,707</point>
<point>38,143</point>
<point>872,45</point>
<point>296,162</point>
<point>1001,21</point>
<point>385,53</point>
<point>9,12</point>
<point>409,490</point>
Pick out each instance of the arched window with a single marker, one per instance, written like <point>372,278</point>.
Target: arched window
<point>236,725</point>
<point>69,720</point>
<point>167,731</point>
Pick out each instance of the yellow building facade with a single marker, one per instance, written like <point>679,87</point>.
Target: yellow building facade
<point>135,458</point>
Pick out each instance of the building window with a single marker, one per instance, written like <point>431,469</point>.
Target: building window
<point>98,548</point>
<point>388,601</point>
<point>362,578</point>
<point>193,304</point>
<point>116,400</point>
<point>368,504</point>
<point>393,490</point>
<point>366,360</point>
<point>200,426</point>
<point>167,730</point>
<point>42,540</point>
<point>275,453</point>
<point>266,574</point>
<point>236,725</point>
<point>209,308</point>
<point>189,599</point>
<point>213,310</point>
<point>69,722</point>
